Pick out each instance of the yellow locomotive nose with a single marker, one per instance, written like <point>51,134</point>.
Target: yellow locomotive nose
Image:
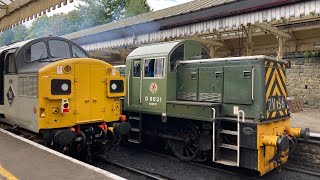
<point>79,91</point>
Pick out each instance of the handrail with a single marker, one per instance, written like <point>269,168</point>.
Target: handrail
<point>213,134</point>
<point>129,76</point>
<point>213,113</point>
<point>252,84</point>
<point>240,111</point>
<point>140,98</point>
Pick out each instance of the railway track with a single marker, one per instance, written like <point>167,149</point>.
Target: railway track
<point>140,172</point>
<point>147,175</point>
<point>231,172</point>
<point>238,172</point>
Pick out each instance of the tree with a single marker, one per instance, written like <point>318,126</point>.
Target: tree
<point>6,37</point>
<point>55,25</point>
<point>136,7</point>
<point>20,33</point>
<point>97,12</point>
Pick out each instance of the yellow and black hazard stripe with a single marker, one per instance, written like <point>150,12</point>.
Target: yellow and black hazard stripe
<point>276,91</point>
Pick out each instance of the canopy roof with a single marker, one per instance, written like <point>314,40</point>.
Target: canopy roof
<point>14,12</point>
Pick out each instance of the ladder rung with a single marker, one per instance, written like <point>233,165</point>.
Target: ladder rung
<point>134,141</point>
<point>135,118</point>
<point>227,162</point>
<point>135,129</point>
<point>223,131</point>
<point>229,146</point>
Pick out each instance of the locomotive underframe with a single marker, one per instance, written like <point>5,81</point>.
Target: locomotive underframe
<point>254,154</point>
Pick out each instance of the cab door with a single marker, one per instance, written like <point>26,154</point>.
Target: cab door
<point>154,85</point>
<point>134,88</point>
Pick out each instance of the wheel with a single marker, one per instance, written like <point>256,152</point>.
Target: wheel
<point>187,149</point>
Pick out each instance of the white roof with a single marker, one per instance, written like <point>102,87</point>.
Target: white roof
<point>158,49</point>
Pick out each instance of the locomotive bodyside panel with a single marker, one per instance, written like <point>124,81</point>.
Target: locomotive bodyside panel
<point>210,84</point>
<point>20,104</point>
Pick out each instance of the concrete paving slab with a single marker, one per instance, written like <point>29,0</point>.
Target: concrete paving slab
<point>308,118</point>
<point>25,159</point>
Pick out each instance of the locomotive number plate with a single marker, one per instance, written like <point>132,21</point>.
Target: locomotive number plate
<point>276,103</point>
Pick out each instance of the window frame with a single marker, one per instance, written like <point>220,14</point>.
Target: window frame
<point>133,61</point>
<point>202,48</point>
<point>164,67</point>
<point>24,51</point>
<point>184,55</point>
<point>69,47</point>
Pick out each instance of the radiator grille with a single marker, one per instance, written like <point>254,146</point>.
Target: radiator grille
<point>210,97</point>
<point>188,96</point>
<point>28,86</point>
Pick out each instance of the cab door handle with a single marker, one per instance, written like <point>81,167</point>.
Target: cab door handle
<point>86,100</point>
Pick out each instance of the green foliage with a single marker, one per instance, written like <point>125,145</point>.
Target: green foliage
<point>16,34</point>
<point>20,33</point>
<point>6,37</point>
<point>88,14</point>
<point>97,12</point>
<point>136,7</point>
<point>311,54</point>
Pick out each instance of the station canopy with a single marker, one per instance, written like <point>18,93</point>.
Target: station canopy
<point>14,12</point>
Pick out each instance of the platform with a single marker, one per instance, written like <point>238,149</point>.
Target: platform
<point>308,118</point>
<point>23,159</point>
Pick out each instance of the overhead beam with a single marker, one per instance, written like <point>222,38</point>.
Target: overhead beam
<point>206,41</point>
<point>3,6</point>
<point>20,11</point>
<point>273,30</point>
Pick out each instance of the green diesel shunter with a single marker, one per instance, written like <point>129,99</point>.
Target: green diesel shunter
<point>231,110</point>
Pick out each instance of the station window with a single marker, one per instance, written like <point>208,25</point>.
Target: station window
<point>78,53</point>
<point>136,68</point>
<point>37,51</point>
<point>59,49</point>
<point>154,67</point>
<point>176,56</point>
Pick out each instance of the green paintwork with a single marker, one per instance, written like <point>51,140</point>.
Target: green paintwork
<point>211,82</point>
<point>226,83</point>
<point>155,102</point>
<point>237,84</point>
<point>195,112</point>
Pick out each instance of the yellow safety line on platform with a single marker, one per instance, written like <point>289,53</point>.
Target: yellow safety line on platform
<point>7,174</point>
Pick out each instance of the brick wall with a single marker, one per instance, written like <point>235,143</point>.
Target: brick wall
<point>303,81</point>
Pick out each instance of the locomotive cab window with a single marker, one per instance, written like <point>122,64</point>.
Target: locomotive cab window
<point>35,52</point>
<point>78,53</point>
<point>59,49</point>
<point>136,68</point>
<point>204,53</point>
<point>177,55</point>
<point>154,67</point>
<point>11,67</point>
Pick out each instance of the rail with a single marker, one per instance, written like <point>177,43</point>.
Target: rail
<point>134,170</point>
